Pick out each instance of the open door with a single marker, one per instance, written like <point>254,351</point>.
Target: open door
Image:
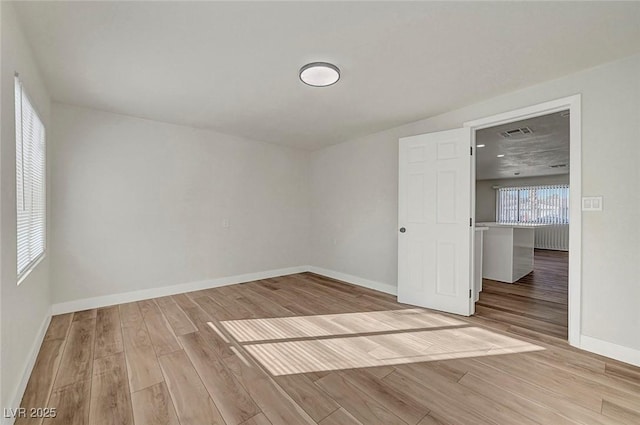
<point>435,229</point>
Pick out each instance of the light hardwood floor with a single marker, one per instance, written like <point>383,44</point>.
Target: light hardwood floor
<point>195,359</point>
<point>538,301</point>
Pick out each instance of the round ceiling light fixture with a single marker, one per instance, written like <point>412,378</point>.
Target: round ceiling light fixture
<point>319,74</point>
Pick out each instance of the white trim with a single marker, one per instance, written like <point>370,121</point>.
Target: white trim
<point>355,280</point>
<point>30,362</point>
<point>609,349</point>
<point>31,267</point>
<point>575,187</point>
<point>144,294</point>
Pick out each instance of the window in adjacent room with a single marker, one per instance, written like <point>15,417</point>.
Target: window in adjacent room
<point>30,183</point>
<point>533,204</point>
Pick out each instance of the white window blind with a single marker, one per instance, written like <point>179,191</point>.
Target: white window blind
<point>533,204</point>
<point>30,182</point>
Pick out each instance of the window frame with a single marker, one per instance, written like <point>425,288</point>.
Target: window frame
<point>517,190</point>
<point>21,275</point>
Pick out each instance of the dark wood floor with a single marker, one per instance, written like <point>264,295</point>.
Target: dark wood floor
<point>223,356</point>
<point>538,301</point>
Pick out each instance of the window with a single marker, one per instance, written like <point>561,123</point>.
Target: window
<point>30,182</point>
<point>533,204</point>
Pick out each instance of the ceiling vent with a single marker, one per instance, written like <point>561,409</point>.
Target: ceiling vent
<point>522,131</point>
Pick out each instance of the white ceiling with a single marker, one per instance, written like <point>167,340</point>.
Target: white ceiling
<point>232,66</point>
<point>544,151</point>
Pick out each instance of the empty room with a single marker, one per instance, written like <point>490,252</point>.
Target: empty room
<point>334,213</point>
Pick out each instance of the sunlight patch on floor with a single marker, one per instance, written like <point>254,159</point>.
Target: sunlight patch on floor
<point>336,324</point>
<point>291,357</point>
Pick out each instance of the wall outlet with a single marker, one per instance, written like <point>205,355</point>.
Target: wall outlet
<point>592,203</point>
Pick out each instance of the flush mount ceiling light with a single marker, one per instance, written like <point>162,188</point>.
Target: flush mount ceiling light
<point>319,74</point>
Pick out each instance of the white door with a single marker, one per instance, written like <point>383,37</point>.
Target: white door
<point>435,232</point>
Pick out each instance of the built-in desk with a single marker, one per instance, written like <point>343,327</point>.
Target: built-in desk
<point>508,251</point>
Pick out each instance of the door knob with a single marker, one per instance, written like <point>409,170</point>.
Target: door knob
<point>402,230</point>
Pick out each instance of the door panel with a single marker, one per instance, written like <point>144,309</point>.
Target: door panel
<point>434,267</point>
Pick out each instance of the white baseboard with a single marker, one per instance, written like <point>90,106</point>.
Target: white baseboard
<point>30,362</point>
<point>145,294</point>
<point>371,284</point>
<point>609,349</point>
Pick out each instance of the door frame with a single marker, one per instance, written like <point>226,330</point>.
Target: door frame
<point>573,104</point>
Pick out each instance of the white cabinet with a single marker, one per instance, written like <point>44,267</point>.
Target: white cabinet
<point>508,251</point>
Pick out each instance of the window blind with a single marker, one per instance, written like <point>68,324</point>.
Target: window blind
<point>30,182</point>
<point>533,204</point>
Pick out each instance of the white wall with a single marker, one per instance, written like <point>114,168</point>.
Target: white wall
<point>486,196</point>
<point>139,204</point>
<point>24,308</point>
<point>354,192</point>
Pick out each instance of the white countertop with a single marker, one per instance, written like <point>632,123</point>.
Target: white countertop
<point>513,225</point>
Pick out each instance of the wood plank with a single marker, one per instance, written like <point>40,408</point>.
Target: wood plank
<point>71,403</point>
<point>58,327</point>
<point>78,354</point>
<point>340,417</point>
<point>451,409</point>
<point>130,315</point>
<point>402,405</point>
<point>623,371</point>
<point>358,403</point>
<point>480,404</point>
<point>559,403</point>
<point>515,401</point>
<point>310,397</point>
<point>583,390</point>
<point>214,334</point>
<point>108,332</point>
<point>432,420</point>
<point>85,315</point>
<point>233,402</point>
<point>190,397</point>
<point>153,406</point>
<point>177,318</point>
<point>143,369</point>
<point>148,307</point>
<point>40,383</point>
<point>227,299</point>
<point>619,413</point>
<point>110,400</point>
<point>274,402</point>
<point>553,329</point>
<point>162,301</point>
<point>213,309</point>
<point>162,337</point>
<point>183,301</point>
<point>259,419</point>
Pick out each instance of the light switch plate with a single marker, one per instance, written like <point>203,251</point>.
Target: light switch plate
<point>592,203</point>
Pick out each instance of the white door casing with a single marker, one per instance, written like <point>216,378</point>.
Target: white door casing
<point>434,196</point>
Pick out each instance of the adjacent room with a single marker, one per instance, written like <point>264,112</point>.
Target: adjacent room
<point>522,222</point>
<point>334,213</point>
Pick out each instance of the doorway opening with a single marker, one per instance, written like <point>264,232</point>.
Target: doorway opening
<point>522,221</point>
<point>528,218</point>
